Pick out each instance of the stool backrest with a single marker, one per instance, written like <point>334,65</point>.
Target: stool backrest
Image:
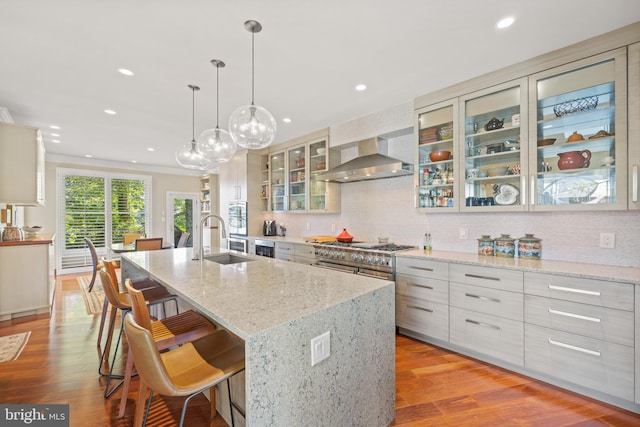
<point>129,238</point>
<point>139,307</point>
<point>111,291</point>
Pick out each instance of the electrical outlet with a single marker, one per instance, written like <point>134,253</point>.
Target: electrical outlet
<point>464,234</point>
<point>333,228</point>
<point>320,348</point>
<point>608,240</point>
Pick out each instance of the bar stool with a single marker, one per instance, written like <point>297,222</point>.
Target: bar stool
<point>168,332</point>
<point>122,301</point>
<point>184,371</point>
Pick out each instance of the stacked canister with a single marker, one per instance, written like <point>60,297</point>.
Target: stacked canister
<point>505,246</point>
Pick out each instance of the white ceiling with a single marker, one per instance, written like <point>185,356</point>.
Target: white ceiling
<point>59,61</point>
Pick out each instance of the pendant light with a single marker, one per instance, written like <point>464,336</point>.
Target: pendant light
<point>216,144</point>
<point>189,156</point>
<point>252,126</point>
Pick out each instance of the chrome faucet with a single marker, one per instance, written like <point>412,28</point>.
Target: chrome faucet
<point>200,254</point>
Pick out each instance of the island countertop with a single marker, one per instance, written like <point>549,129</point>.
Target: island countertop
<point>250,297</point>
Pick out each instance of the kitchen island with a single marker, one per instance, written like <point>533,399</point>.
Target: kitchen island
<point>277,307</point>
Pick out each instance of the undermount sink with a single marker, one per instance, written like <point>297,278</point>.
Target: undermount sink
<point>227,259</point>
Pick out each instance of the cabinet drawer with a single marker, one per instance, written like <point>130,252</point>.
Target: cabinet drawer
<point>487,300</point>
<point>509,280</point>
<point>494,336</point>
<point>589,291</point>
<point>597,364</point>
<point>425,317</point>
<point>423,288</point>
<point>284,247</point>
<point>422,268</point>
<point>307,251</point>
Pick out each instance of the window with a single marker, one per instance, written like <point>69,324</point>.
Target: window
<point>101,206</point>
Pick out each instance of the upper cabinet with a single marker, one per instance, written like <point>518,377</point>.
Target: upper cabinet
<point>277,180</point>
<point>436,183</point>
<point>578,135</point>
<point>297,178</point>
<point>493,125</point>
<point>22,161</point>
<point>634,130</point>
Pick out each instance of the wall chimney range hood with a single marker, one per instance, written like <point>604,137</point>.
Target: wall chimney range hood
<point>371,162</point>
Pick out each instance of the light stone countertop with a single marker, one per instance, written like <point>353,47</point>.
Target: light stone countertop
<point>251,297</point>
<point>592,271</point>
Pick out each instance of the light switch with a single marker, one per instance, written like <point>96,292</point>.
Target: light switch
<point>320,348</point>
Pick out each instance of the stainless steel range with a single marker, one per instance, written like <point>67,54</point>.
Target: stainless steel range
<point>369,259</point>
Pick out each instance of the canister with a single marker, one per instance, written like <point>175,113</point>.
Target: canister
<point>505,246</point>
<point>529,247</point>
<point>485,245</point>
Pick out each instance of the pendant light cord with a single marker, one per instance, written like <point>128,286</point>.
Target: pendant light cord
<point>193,114</point>
<point>217,96</point>
<point>253,59</point>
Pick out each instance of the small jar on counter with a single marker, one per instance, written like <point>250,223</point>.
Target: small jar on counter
<point>505,246</point>
<point>529,247</point>
<point>485,245</point>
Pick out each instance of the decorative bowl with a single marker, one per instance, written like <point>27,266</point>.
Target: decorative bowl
<point>383,240</point>
<point>498,171</point>
<point>34,229</point>
<point>321,150</point>
<point>438,156</point>
<point>545,142</point>
<point>575,137</point>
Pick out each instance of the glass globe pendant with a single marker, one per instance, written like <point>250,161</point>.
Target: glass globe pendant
<point>252,126</point>
<point>189,156</point>
<point>216,144</point>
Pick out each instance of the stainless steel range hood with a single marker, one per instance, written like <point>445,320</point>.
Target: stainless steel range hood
<point>372,162</point>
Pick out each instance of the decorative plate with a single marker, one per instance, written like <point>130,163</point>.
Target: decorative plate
<point>506,194</point>
<point>572,190</point>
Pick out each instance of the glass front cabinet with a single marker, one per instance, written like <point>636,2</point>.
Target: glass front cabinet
<point>297,178</point>
<point>493,164</point>
<point>436,186</point>
<point>278,178</point>
<point>578,139</point>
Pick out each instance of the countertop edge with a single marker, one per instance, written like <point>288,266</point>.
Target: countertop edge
<point>42,239</point>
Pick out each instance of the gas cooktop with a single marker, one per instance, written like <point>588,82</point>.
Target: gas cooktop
<point>387,247</point>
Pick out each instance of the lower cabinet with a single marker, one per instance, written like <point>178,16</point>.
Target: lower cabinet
<point>579,332</point>
<point>304,254</point>
<point>285,251</point>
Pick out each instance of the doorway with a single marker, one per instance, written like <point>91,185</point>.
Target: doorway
<point>183,216</point>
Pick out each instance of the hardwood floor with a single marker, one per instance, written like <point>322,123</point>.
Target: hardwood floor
<point>434,387</point>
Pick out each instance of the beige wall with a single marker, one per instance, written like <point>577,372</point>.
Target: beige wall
<point>160,184</point>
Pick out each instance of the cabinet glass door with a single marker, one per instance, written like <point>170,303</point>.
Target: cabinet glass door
<point>297,179</point>
<point>578,141</point>
<point>278,186</point>
<point>491,122</point>
<point>318,156</point>
<point>265,184</point>
<point>436,149</point>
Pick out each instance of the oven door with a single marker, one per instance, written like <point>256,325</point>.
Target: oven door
<point>238,244</point>
<point>376,274</point>
<point>337,267</point>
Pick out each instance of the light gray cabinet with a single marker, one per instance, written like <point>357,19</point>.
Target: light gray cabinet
<point>304,254</point>
<point>22,156</point>
<point>285,251</point>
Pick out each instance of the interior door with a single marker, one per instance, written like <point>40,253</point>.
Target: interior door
<point>183,216</point>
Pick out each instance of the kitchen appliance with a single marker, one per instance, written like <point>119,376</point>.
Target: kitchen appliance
<point>372,162</point>
<point>237,219</point>
<point>238,244</point>
<point>368,259</point>
<point>265,248</point>
<point>269,228</point>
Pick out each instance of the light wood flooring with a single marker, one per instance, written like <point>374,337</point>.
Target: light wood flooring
<point>434,387</point>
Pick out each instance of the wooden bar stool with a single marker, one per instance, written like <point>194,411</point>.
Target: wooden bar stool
<point>167,332</point>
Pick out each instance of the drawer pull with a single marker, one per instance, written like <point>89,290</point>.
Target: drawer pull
<point>573,347</point>
<point>487,325</point>
<point>476,276</point>
<point>419,286</point>
<point>480,297</point>
<point>422,268</point>
<point>576,291</point>
<point>575,316</point>
<point>420,308</point>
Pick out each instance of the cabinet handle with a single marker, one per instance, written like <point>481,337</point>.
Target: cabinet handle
<point>486,325</point>
<point>422,268</point>
<point>575,316</point>
<point>575,291</point>
<point>420,308</point>
<point>573,347</point>
<point>419,286</point>
<point>523,186</point>
<point>476,276</point>
<point>634,183</point>
<point>532,182</point>
<point>480,297</point>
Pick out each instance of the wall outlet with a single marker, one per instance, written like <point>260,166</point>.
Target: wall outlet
<point>463,233</point>
<point>608,240</point>
<point>320,348</point>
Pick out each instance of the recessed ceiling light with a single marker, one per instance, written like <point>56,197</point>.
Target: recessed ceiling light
<point>88,155</point>
<point>126,72</point>
<point>54,134</point>
<point>361,87</point>
<point>505,22</point>
<point>110,112</point>
<point>151,149</point>
<point>56,141</point>
<point>54,127</point>
<point>134,161</point>
<point>286,119</point>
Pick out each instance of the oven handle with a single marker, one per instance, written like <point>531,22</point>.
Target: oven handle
<point>383,276</point>
<point>344,270</point>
